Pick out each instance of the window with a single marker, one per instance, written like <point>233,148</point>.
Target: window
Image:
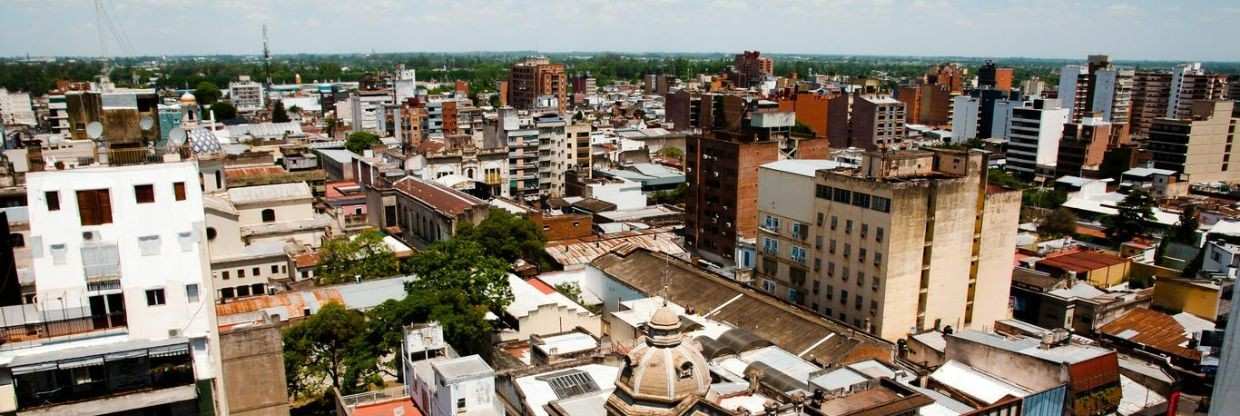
<point>820,216</point>
<point>830,292</point>
<point>224,274</point>
<point>818,242</point>
<point>240,273</point>
<point>255,271</point>
<point>17,240</point>
<point>149,245</point>
<point>269,215</point>
<point>210,233</point>
<point>842,195</point>
<point>768,286</point>
<point>770,246</point>
<point>860,278</point>
<point>878,234</point>
<point>848,227</point>
<point>178,190</point>
<point>460,403</point>
<point>861,200</point>
<point>243,291</point>
<point>816,288</point>
<point>847,250</point>
<point>831,247</point>
<point>227,293</point>
<point>258,289</point>
<point>834,221</point>
<point>817,264</point>
<point>58,254</point>
<point>144,194</point>
<point>865,230</point>
<point>798,254</point>
<point>880,204</point>
<point>191,292</point>
<point>878,258</point>
<point>155,297</point>
<point>771,223</point>
<point>94,207</point>
<point>53,200</point>
<point>861,255</point>
<point>275,269</point>
<point>844,273</point>
<point>844,297</point>
<point>822,192</point>
<point>857,304</point>
<point>686,370</point>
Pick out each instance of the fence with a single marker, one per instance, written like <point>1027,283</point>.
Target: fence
<point>24,323</point>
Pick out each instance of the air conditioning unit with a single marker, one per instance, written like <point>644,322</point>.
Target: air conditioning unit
<point>91,236</point>
<point>174,333</point>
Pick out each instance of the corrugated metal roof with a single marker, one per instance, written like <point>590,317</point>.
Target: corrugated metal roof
<point>269,193</point>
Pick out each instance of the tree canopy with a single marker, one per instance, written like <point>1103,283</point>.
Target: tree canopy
<point>359,141</point>
<point>505,235</point>
<point>464,324</point>
<point>224,111</point>
<point>325,347</point>
<point>278,113</point>
<point>206,93</point>
<point>1186,230</point>
<point>1135,211</point>
<point>1061,222</point>
<point>464,266</point>
<point>344,258</point>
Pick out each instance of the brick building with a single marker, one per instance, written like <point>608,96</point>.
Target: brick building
<point>536,80</point>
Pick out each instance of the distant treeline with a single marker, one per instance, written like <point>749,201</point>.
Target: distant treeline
<point>483,69</point>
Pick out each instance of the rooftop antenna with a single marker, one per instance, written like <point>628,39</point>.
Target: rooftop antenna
<point>266,57</point>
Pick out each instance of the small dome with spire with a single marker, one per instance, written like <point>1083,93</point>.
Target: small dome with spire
<point>663,371</point>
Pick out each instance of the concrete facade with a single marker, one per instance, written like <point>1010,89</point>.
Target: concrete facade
<point>253,371</point>
<point>1200,147</point>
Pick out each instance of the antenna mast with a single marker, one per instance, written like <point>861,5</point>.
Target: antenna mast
<point>266,57</point>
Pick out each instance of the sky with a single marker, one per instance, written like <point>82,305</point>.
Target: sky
<point>1188,30</point>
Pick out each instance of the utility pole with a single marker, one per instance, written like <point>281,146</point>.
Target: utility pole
<point>266,57</point>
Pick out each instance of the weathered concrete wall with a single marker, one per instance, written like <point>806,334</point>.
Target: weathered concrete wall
<point>254,371</point>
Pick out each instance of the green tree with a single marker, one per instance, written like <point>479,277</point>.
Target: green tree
<point>359,141</point>
<point>1061,222</point>
<point>346,257</point>
<point>1044,198</point>
<point>207,93</point>
<point>464,266</point>
<point>321,348</point>
<point>224,111</point>
<point>278,114</point>
<point>464,325</point>
<point>1186,229</point>
<point>1000,178</point>
<point>505,235</point>
<point>1134,213</point>
<point>671,152</point>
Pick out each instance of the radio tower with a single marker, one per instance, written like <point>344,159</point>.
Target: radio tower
<point>266,57</point>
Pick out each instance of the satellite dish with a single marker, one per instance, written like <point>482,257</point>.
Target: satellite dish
<point>94,130</point>
<point>176,136</point>
<point>146,123</point>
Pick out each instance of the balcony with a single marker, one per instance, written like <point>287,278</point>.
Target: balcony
<point>26,325</point>
<point>103,378</point>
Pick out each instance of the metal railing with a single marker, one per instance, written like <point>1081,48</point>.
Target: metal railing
<point>21,324</point>
<point>389,393</point>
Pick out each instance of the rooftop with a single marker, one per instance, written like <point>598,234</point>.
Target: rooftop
<point>799,331</point>
<point>463,368</point>
<point>585,250</point>
<point>976,383</point>
<point>1153,329</point>
<point>1083,261</point>
<point>439,197</point>
<point>269,193</point>
<point>803,167</point>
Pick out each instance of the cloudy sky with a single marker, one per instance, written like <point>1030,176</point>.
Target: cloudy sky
<point>1133,29</point>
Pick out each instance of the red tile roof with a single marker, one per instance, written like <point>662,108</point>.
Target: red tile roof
<point>540,285</point>
<point>1084,261</point>
<point>1151,328</point>
<point>234,173</point>
<point>439,197</point>
<point>387,408</point>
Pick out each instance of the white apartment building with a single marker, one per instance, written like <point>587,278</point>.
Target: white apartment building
<point>246,95</point>
<point>16,108</point>
<point>1033,136</point>
<point>118,253</point>
<point>965,112</point>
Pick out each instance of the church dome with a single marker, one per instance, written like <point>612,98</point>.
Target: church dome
<point>665,368</point>
<point>188,99</point>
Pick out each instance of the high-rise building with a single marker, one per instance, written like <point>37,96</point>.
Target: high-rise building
<point>1034,132</point>
<point>873,122</point>
<point>974,113</point>
<point>537,83</point>
<point>993,77</point>
<point>16,108</point>
<point>1226,394</point>
<point>1199,146</point>
<point>584,84</point>
<point>246,95</point>
<point>1150,95</point>
<point>813,110</point>
<point>1189,82</point>
<point>947,75</point>
<point>1082,148</point>
<point>721,170</point>
<point>124,294</point>
<point>751,68</point>
<point>1033,87</point>
<point>1099,88</point>
<point>926,104</point>
<point>910,240</point>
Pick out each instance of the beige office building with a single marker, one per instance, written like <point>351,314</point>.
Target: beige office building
<point>908,241</point>
<point>1199,146</point>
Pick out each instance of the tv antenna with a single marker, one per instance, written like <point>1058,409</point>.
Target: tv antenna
<point>266,57</point>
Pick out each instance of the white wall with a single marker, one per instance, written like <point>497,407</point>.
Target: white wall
<point>964,118</point>
<point>1049,134</point>
<point>1067,84</point>
<point>627,195</point>
<point>171,269</point>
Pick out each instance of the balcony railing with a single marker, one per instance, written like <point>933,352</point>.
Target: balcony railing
<point>142,155</point>
<point>106,375</point>
<point>22,324</point>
